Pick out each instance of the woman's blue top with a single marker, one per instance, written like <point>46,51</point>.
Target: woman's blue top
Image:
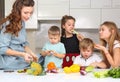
<point>9,41</point>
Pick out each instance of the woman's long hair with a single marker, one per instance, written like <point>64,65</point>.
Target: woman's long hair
<point>14,17</point>
<point>114,36</point>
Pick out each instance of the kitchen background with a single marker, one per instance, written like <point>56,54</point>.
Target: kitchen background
<point>89,14</point>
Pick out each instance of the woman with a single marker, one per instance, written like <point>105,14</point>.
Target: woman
<point>110,45</point>
<point>14,50</point>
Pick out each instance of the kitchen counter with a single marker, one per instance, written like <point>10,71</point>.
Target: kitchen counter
<point>50,77</point>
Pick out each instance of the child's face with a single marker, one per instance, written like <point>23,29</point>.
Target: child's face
<point>69,26</point>
<point>54,38</point>
<point>86,53</point>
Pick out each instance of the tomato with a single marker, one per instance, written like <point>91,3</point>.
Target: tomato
<point>51,65</point>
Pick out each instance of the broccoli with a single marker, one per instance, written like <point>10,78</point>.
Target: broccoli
<point>114,72</point>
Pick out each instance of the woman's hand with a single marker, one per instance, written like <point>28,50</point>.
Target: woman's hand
<point>100,47</point>
<point>29,51</point>
<point>28,58</point>
<point>35,58</point>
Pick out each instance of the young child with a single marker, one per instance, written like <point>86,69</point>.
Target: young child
<point>70,40</point>
<point>87,56</point>
<point>54,50</point>
<point>110,45</point>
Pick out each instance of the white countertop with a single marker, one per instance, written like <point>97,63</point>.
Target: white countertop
<point>50,77</point>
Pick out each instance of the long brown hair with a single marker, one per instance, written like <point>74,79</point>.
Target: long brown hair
<point>115,36</point>
<point>64,19</point>
<point>15,16</point>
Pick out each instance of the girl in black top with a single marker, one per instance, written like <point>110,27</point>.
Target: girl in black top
<point>70,40</point>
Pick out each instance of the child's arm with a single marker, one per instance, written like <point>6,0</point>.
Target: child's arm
<point>45,52</point>
<point>99,65</point>
<point>58,54</point>
<point>99,62</point>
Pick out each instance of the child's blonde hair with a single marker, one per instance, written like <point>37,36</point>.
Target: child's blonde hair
<point>54,30</point>
<point>85,43</point>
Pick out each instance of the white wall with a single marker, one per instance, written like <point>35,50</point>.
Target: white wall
<point>88,13</point>
<point>91,13</point>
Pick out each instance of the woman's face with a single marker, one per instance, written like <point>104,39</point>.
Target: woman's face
<point>104,32</point>
<point>26,13</point>
<point>69,26</point>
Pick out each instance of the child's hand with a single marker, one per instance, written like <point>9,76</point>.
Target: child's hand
<point>80,37</point>
<point>94,64</point>
<point>48,52</point>
<point>54,53</point>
